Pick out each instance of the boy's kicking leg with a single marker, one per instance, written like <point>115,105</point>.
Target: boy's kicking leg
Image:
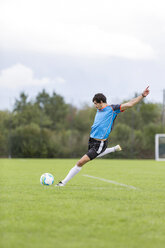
<point>109,150</point>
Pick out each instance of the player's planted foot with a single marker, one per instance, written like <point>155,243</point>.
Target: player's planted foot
<point>118,148</point>
<point>60,184</point>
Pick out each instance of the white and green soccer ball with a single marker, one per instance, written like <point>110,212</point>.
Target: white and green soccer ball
<point>47,179</point>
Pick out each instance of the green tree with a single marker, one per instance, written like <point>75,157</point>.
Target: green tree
<point>54,107</point>
<point>5,126</point>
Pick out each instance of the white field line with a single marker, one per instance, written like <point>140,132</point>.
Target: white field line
<point>110,181</point>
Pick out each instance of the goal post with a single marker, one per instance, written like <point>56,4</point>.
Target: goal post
<point>160,147</point>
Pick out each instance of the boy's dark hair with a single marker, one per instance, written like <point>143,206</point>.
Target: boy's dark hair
<point>99,97</point>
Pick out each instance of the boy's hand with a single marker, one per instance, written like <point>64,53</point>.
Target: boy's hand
<point>146,92</point>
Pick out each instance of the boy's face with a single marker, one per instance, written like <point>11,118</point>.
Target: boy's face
<point>98,105</point>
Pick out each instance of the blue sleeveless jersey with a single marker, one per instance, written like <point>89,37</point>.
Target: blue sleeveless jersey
<point>104,121</point>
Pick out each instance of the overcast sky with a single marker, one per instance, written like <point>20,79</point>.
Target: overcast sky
<point>81,47</point>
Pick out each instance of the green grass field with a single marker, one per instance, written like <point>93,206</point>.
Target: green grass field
<point>87,213</point>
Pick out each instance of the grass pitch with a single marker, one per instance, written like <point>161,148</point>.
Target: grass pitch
<point>87,213</point>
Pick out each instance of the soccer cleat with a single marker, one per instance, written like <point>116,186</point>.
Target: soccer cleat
<point>118,148</point>
<point>60,184</point>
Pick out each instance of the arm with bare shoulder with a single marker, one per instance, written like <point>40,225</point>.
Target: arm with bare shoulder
<point>134,101</point>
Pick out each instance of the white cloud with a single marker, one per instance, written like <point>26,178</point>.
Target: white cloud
<point>19,77</point>
<point>88,28</point>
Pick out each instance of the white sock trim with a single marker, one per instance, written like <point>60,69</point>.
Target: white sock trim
<point>78,167</point>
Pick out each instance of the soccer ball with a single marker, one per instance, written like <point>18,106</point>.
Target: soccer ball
<point>47,179</point>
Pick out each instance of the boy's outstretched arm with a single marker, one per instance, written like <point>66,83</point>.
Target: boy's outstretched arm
<point>134,101</point>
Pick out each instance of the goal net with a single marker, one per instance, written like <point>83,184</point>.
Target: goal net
<point>160,147</point>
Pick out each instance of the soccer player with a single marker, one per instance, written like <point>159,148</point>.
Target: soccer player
<point>100,130</point>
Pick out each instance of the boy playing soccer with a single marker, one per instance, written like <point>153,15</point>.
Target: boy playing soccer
<point>100,130</point>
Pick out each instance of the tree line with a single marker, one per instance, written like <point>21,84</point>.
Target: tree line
<point>47,127</point>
